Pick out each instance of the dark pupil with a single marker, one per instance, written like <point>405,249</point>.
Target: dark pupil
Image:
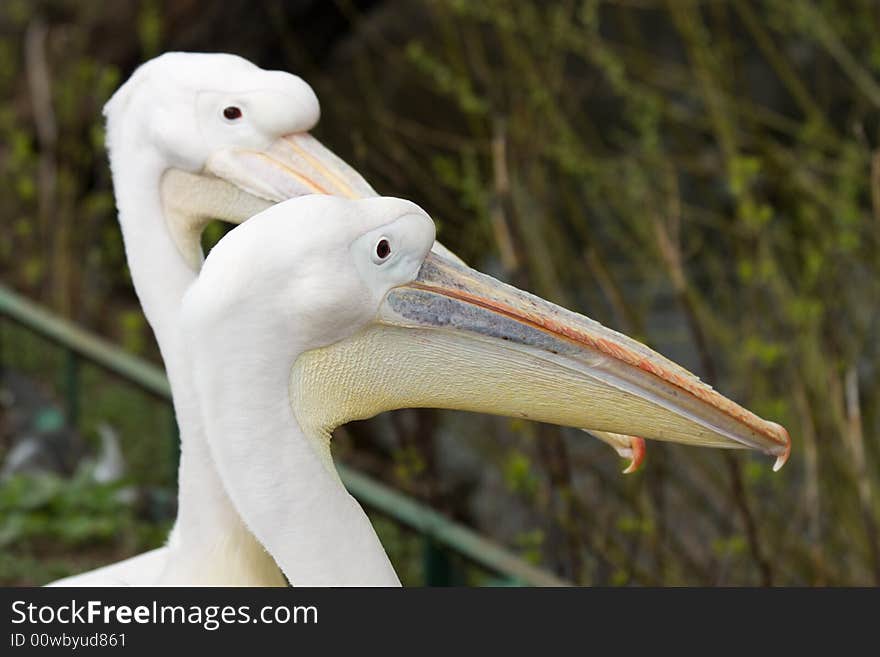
<point>232,113</point>
<point>383,249</point>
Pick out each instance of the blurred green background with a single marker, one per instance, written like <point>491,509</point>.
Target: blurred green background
<point>702,175</point>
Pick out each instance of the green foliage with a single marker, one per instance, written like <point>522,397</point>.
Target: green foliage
<point>518,474</point>
<point>150,29</point>
<point>445,80</point>
<point>409,464</point>
<point>715,160</point>
<point>531,545</point>
<point>46,508</point>
<point>49,516</point>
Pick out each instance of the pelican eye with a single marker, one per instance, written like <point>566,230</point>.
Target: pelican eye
<point>383,250</point>
<point>231,113</point>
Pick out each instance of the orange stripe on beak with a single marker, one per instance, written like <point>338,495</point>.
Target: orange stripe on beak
<point>676,377</point>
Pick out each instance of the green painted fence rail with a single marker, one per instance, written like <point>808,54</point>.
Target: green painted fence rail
<point>440,535</point>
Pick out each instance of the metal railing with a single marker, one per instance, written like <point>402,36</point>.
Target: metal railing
<point>440,536</point>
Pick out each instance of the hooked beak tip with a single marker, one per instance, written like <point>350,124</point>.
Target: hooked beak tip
<point>638,449</point>
<point>782,458</point>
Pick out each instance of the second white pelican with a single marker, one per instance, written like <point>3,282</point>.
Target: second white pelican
<point>320,310</point>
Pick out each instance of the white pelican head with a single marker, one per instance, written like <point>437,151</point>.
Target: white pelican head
<point>228,139</point>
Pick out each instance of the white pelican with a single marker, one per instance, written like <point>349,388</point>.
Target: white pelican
<point>322,310</point>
